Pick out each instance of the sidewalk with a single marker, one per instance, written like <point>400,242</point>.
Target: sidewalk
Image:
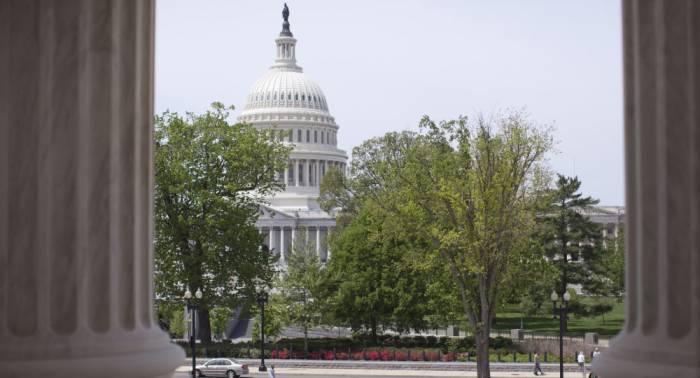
<point>338,372</point>
<point>408,368</point>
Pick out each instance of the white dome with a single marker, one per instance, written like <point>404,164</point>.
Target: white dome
<point>286,88</point>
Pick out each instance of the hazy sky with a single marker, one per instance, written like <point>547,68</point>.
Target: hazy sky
<point>384,64</point>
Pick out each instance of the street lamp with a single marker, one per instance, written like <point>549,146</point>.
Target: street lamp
<point>192,308</point>
<point>560,309</point>
<point>261,295</point>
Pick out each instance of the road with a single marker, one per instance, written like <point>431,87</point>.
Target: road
<point>362,373</point>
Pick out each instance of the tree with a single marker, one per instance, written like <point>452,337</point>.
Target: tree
<point>466,192</point>
<point>303,287</point>
<point>614,263</point>
<point>219,316</point>
<point>178,325</point>
<point>211,177</point>
<point>573,242</point>
<point>374,287</point>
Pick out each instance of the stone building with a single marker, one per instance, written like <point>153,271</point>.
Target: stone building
<point>286,100</point>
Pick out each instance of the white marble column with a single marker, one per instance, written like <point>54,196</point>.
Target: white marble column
<point>271,239</point>
<point>328,244</point>
<point>661,336</point>
<point>282,244</point>
<point>307,171</point>
<point>76,191</point>
<point>296,172</point>
<point>318,241</point>
<point>286,175</point>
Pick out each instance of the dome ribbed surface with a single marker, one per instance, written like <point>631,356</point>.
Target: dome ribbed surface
<point>286,89</point>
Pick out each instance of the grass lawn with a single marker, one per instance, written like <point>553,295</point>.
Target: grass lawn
<point>607,325</point>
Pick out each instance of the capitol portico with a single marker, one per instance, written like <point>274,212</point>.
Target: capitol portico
<point>286,100</point>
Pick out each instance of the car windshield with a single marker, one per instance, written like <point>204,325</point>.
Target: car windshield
<point>211,363</point>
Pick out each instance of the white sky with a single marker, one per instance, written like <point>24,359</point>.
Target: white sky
<point>384,64</point>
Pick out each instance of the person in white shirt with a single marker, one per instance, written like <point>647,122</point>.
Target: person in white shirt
<point>582,363</point>
<point>271,371</point>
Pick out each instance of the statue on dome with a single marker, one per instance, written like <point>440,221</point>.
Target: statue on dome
<point>285,13</point>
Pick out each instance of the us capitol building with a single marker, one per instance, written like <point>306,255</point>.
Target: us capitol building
<point>286,100</point>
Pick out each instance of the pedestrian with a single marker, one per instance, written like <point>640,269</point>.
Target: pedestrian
<point>538,369</point>
<point>271,371</point>
<point>595,354</point>
<point>582,363</point>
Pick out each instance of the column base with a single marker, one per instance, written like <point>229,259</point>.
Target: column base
<point>141,361</point>
<point>637,356</point>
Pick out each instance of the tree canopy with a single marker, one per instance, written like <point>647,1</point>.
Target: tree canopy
<point>211,176</point>
<point>466,192</point>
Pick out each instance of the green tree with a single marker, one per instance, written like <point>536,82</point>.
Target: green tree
<point>573,242</point>
<point>274,315</point>
<point>303,287</point>
<point>178,325</point>
<point>219,317</point>
<point>466,192</point>
<point>614,263</point>
<point>375,287</point>
<point>210,178</point>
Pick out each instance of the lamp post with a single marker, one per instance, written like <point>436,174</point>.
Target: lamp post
<point>262,300</point>
<point>192,307</point>
<point>560,309</point>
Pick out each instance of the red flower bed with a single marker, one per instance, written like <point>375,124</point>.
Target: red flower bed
<point>400,356</point>
<point>314,355</point>
<point>358,356</point>
<point>385,355</point>
<point>341,356</point>
<point>329,355</point>
<point>416,356</point>
<point>432,356</point>
<point>373,355</point>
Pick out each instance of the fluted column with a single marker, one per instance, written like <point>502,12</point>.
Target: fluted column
<point>318,241</point>
<point>296,172</point>
<point>307,169</point>
<point>661,337</point>
<point>282,244</point>
<point>76,191</point>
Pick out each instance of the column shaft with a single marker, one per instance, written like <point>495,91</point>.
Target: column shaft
<point>662,138</point>
<point>76,191</point>
<point>282,244</point>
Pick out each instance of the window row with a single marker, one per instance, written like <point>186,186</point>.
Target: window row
<point>323,136</point>
<point>288,98</point>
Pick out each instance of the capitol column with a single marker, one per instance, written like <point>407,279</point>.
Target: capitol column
<point>76,191</point>
<point>296,172</point>
<point>661,336</point>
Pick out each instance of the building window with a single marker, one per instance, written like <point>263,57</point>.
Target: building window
<point>296,96</point>
<point>299,135</point>
<point>322,137</point>
<point>315,136</point>
<point>308,136</point>
<point>290,136</point>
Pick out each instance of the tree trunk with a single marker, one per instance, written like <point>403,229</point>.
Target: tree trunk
<point>204,330</point>
<point>483,369</point>
<point>375,339</point>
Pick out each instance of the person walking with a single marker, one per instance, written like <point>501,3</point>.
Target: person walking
<point>582,363</point>
<point>271,371</point>
<point>595,354</point>
<point>538,369</point>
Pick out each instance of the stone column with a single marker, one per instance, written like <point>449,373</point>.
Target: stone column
<point>328,244</point>
<point>296,172</point>
<point>318,241</point>
<point>271,239</point>
<point>282,244</point>
<point>661,337</point>
<point>76,191</point>
<point>307,170</point>
<point>286,174</point>
<point>294,238</point>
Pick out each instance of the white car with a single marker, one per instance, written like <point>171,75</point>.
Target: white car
<point>221,367</point>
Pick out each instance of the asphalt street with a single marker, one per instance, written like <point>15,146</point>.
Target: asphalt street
<point>349,373</point>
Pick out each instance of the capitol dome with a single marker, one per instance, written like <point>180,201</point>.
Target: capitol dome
<point>281,88</point>
<point>286,101</point>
